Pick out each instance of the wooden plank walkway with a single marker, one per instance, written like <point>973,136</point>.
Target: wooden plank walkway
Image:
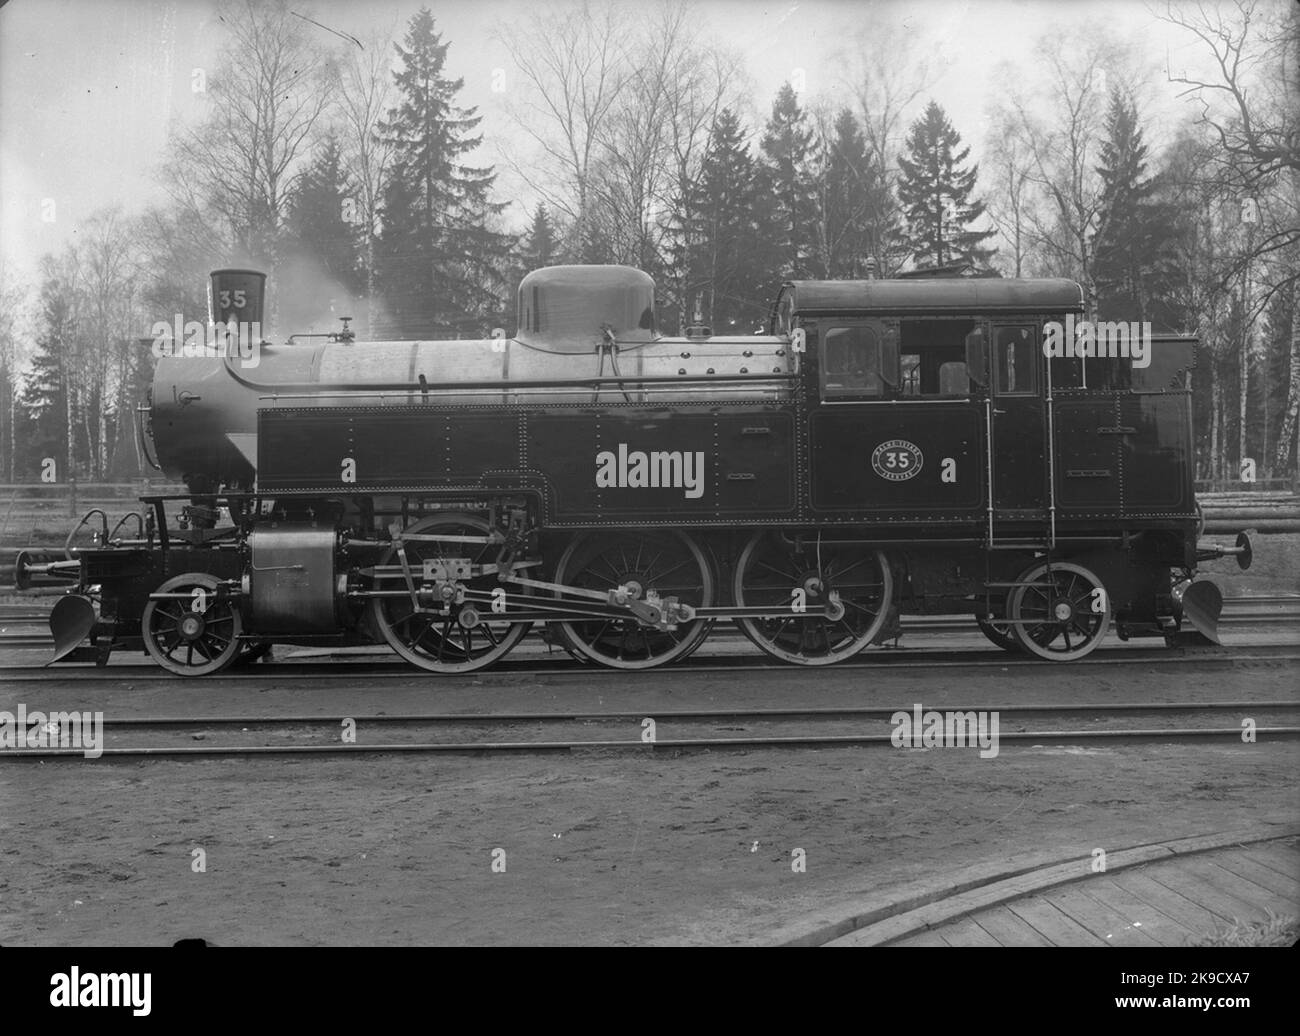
<point>1165,903</point>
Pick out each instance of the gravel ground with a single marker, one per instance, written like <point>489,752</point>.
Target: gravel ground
<point>599,847</point>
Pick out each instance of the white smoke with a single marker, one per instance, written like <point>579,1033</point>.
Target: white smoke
<point>302,298</point>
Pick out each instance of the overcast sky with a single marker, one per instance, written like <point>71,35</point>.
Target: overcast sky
<point>88,88</point>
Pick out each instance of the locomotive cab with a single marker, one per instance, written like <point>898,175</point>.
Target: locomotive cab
<point>947,404</point>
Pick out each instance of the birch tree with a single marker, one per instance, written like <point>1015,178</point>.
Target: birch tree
<point>1246,102</point>
<point>274,83</point>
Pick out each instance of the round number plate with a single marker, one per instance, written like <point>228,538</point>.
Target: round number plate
<point>897,460</point>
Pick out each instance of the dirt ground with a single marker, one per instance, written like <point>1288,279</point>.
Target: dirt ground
<point>601,847</point>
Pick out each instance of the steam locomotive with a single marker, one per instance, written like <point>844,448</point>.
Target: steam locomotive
<point>888,445</point>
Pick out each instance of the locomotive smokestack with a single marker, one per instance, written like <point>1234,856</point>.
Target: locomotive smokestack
<point>237,297</point>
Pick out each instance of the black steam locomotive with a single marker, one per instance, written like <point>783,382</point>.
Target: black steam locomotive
<point>915,444</point>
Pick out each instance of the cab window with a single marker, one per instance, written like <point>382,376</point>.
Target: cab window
<point>783,314</point>
<point>851,362</point>
<point>1015,359</point>
<point>933,359</point>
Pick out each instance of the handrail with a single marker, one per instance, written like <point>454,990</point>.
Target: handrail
<point>140,439</point>
<point>1051,461</point>
<point>342,388</point>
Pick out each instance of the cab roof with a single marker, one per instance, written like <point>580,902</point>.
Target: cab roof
<point>935,295</point>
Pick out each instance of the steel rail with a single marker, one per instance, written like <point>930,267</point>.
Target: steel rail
<point>827,712</point>
<point>676,744</point>
<point>883,661</point>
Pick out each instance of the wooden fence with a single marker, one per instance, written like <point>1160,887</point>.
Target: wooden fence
<point>26,506</point>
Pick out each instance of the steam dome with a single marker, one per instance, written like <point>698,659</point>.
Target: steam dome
<point>566,308</point>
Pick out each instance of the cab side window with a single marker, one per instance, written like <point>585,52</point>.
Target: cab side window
<point>1015,359</point>
<point>781,322</point>
<point>933,359</point>
<point>851,362</point>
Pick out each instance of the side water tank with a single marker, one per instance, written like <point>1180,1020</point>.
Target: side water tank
<point>567,308</point>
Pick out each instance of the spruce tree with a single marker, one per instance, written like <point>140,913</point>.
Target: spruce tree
<point>536,248</point>
<point>788,186</point>
<point>1133,246</point>
<point>720,252</point>
<point>322,222</point>
<point>442,267</point>
<point>860,211</point>
<point>539,247</point>
<point>936,195</point>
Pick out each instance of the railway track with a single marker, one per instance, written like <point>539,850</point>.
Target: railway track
<point>351,668</point>
<point>464,733</point>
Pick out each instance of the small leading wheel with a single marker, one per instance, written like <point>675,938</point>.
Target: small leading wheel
<point>1064,612</point>
<point>468,637</point>
<point>670,564</point>
<point>194,634</point>
<point>772,573</point>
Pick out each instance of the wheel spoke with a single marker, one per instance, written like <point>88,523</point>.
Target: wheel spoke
<point>1058,639</point>
<point>861,577</point>
<point>431,640</point>
<point>216,642</point>
<point>663,575</point>
<point>625,642</point>
<point>428,622</point>
<point>654,561</point>
<point>839,575</point>
<point>784,576</point>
